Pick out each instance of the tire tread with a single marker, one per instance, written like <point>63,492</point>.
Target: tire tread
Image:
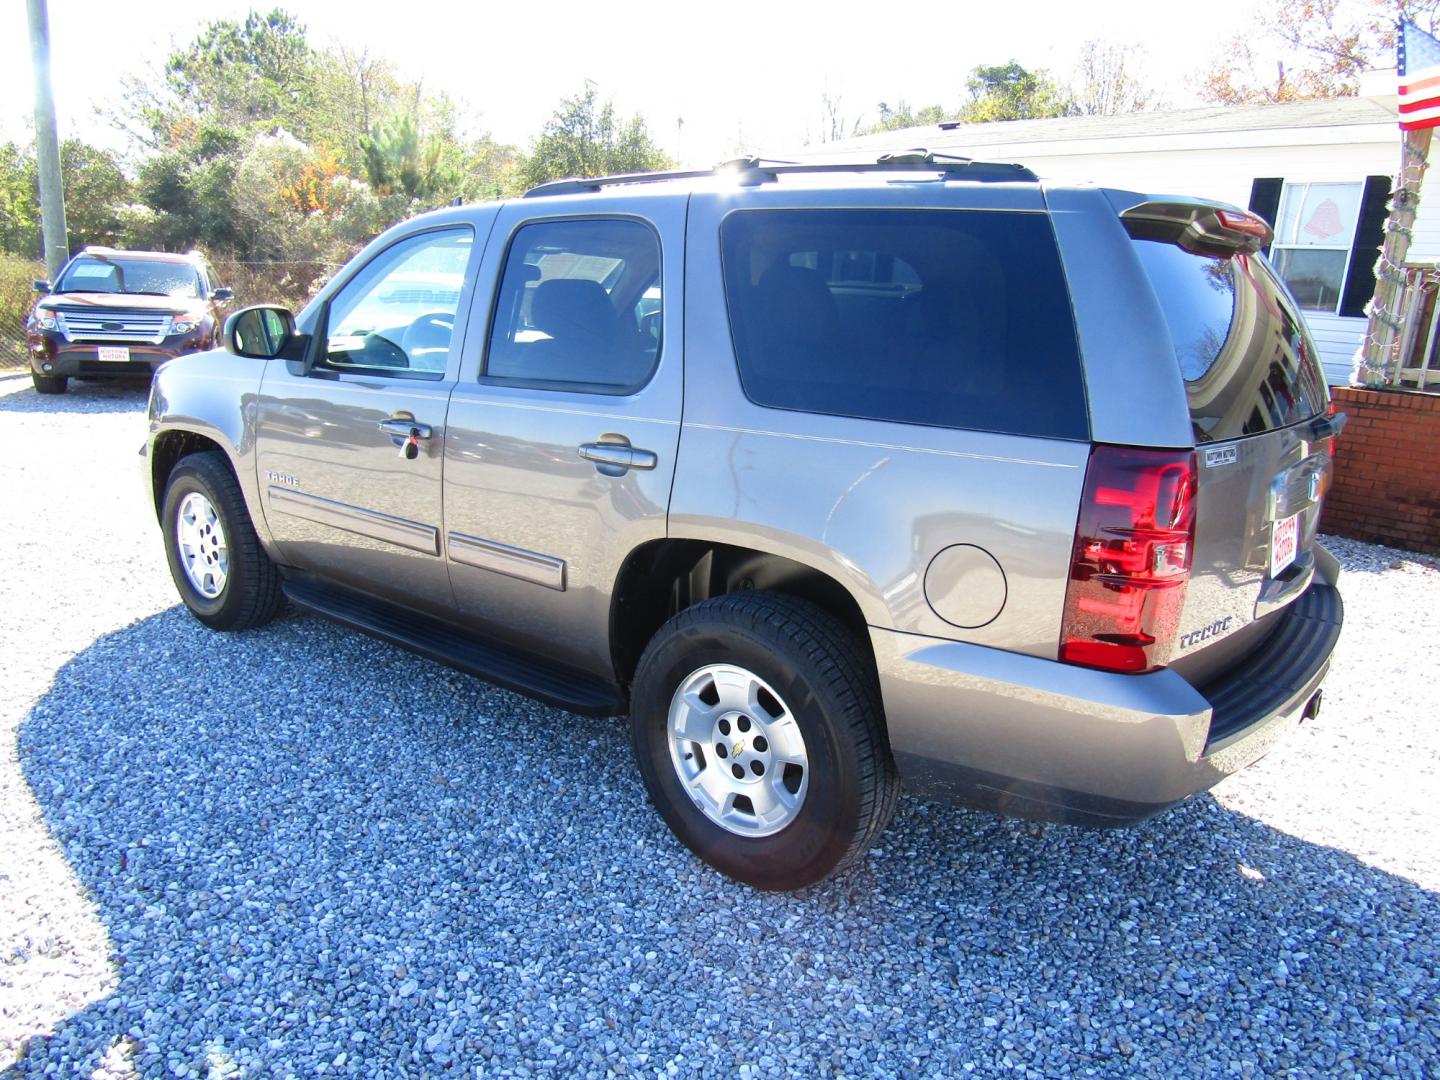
<point>261,595</point>
<point>835,654</point>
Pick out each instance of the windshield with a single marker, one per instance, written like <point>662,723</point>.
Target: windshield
<point>116,274</point>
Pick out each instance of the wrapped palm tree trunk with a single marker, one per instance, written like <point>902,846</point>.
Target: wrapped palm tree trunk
<point>1378,360</point>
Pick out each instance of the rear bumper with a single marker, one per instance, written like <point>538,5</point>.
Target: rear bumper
<point>1040,739</point>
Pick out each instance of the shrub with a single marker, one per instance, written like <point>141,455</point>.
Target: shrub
<point>17,297</point>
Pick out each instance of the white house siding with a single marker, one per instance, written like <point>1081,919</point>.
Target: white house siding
<point>1336,338</point>
<point>1425,246</point>
<point>1216,164</point>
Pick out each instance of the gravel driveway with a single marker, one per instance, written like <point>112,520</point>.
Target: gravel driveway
<point>300,851</point>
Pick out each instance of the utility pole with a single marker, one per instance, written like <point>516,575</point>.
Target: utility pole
<point>47,144</point>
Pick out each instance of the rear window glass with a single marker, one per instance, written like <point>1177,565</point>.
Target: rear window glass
<point>1248,362</point>
<point>950,318</point>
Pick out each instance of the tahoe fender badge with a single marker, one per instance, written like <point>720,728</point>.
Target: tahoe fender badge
<point>1220,455</point>
<point>284,479</point>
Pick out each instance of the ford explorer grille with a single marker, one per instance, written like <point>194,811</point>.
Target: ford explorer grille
<point>110,324</point>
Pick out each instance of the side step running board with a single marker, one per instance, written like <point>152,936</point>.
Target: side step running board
<point>430,637</point>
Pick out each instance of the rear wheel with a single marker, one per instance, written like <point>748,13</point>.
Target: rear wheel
<point>757,727</point>
<point>49,384</point>
<point>223,574</point>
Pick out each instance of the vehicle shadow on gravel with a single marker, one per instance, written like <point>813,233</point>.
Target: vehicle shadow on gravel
<point>314,852</point>
<point>121,395</point>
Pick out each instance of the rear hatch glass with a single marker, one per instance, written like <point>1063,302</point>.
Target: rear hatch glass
<point>1253,383</point>
<point>1247,359</point>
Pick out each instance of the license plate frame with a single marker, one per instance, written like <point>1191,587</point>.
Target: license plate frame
<point>1284,543</point>
<point>113,354</point>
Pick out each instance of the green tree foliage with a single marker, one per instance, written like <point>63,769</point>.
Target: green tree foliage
<point>996,92</point>
<point>189,194</point>
<point>901,115</point>
<point>1011,92</point>
<point>399,158</point>
<point>257,145</point>
<point>259,71</point>
<point>19,203</point>
<point>96,193</point>
<point>584,137</point>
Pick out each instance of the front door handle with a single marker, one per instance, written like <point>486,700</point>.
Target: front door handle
<point>405,428</point>
<point>616,458</point>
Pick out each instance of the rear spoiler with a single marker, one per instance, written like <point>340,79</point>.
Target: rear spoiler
<point>1201,228</point>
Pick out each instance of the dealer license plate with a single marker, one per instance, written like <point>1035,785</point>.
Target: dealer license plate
<point>114,354</point>
<point>1284,541</point>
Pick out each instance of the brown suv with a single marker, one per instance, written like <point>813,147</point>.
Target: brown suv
<point>120,313</point>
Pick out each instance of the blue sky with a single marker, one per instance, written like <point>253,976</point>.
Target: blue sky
<point>733,71</point>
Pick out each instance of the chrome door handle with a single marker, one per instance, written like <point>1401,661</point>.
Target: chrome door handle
<point>615,459</point>
<point>405,429</point>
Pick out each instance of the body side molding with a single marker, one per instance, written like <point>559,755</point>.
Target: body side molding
<point>513,562</point>
<point>401,532</point>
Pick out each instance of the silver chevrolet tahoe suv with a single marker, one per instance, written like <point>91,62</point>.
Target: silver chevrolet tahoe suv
<point>838,478</point>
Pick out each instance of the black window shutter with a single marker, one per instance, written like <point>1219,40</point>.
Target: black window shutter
<point>1265,199</point>
<point>1369,235</point>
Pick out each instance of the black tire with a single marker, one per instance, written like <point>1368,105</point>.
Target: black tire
<point>49,384</point>
<point>251,594</point>
<point>816,666</point>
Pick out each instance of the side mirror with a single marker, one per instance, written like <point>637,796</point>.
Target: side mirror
<point>41,285</point>
<point>262,332</point>
<point>222,294</point>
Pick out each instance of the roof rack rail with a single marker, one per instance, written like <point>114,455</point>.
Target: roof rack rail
<point>755,170</point>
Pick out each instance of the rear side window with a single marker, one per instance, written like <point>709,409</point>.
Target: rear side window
<point>949,318</point>
<point>1248,362</point>
<point>579,307</point>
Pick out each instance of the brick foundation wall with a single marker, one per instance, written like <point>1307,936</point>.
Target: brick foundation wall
<point>1387,469</point>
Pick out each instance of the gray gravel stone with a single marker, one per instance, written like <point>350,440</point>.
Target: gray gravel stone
<point>300,852</point>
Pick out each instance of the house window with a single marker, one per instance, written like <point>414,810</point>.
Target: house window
<point>1314,232</point>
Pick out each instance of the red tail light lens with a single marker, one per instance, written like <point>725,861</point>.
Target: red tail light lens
<point>1133,546</point>
<point>1248,224</point>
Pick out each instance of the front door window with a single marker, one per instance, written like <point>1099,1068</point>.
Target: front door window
<point>396,316</point>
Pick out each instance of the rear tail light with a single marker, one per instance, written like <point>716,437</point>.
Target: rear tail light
<point>1248,224</point>
<point>1133,544</point>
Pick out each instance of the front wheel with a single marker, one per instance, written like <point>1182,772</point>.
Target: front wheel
<point>757,727</point>
<point>223,574</point>
<point>49,384</point>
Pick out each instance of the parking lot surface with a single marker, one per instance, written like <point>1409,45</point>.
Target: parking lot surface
<point>301,851</point>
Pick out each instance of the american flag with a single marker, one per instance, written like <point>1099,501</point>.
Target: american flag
<point>1418,66</point>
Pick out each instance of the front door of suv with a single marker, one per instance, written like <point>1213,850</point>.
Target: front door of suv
<point>564,425</point>
<point>350,453</point>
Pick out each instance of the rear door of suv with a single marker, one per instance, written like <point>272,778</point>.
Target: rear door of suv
<point>564,425</point>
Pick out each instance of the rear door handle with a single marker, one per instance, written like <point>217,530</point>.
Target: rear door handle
<point>615,459</point>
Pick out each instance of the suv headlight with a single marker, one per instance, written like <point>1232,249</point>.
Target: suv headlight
<point>46,321</point>
<point>183,326</point>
